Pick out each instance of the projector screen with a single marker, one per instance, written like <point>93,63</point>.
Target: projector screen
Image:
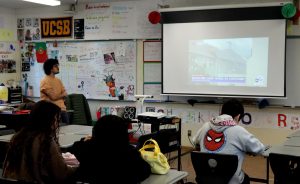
<point>225,58</point>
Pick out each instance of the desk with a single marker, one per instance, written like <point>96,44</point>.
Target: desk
<point>173,176</point>
<point>293,141</point>
<point>65,140</point>
<point>286,150</point>
<point>280,149</point>
<point>6,138</point>
<point>76,129</point>
<point>70,133</point>
<point>294,134</point>
<point>67,136</point>
<point>14,121</point>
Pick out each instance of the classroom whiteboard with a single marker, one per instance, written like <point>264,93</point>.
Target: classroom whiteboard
<point>87,67</point>
<point>119,20</point>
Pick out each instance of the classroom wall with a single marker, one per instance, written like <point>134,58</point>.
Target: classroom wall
<point>8,30</point>
<point>267,135</point>
<point>186,3</point>
<point>270,136</point>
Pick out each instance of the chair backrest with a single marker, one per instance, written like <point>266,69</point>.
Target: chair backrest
<point>211,168</point>
<point>81,114</point>
<point>286,168</point>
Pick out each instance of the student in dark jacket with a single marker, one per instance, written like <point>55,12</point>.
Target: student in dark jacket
<point>108,156</point>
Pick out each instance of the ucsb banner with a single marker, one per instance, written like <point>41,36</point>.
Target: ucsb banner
<point>56,27</point>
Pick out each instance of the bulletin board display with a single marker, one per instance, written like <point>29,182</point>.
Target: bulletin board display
<point>8,53</point>
<point>104,70</point>
<point>9,67</point>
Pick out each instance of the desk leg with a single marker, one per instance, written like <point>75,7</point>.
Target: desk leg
<point>179,159</point>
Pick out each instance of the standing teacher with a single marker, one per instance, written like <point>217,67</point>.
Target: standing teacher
<point>52,89</point>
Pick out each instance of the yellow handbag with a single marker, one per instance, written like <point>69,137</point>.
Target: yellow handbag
<point>156,159</point>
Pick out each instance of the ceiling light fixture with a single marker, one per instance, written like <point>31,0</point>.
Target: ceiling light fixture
<point>45,2</point>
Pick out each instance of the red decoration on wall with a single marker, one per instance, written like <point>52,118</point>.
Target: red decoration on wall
<point>295,19</point>
<point>154,17</point>
<point>296,16</point>
<point>41,52</point>
<point>281,119</point>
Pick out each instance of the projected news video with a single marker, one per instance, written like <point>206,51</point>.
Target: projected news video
<point>224,58</point>
<point>229,62</point>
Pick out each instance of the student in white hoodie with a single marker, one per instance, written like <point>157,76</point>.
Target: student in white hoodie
<point>223,135</point>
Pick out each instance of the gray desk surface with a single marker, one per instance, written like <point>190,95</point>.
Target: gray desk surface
<point>6,138</point>
<point>292,141</point>
<point>173,176</point>
<point>67,136</point>
<point>76,129</point>
<point>294,134</point>
<point>67,140</point>
<point>286,150</point>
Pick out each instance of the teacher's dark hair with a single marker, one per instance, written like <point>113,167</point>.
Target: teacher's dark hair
<point>233,108</point>
<point>48,65</point>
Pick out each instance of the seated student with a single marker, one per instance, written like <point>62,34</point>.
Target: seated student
<point>108,156</point>
<point>223,135</point>
<point>34,153</point>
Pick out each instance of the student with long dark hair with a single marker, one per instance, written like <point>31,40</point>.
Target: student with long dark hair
<point>34,153</point>
<point>108,156</point>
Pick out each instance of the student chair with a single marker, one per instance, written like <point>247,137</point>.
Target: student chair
<point>213,168</point>
<point>286,168</point>
<point>81,114</point>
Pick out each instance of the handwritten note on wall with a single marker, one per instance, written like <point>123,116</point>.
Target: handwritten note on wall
<point>120,20</point>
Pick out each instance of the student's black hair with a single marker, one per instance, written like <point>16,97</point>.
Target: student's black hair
<point>111,131</point>
<point>233,108</point>
<point>48,65</point>
<point>43,116</point>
